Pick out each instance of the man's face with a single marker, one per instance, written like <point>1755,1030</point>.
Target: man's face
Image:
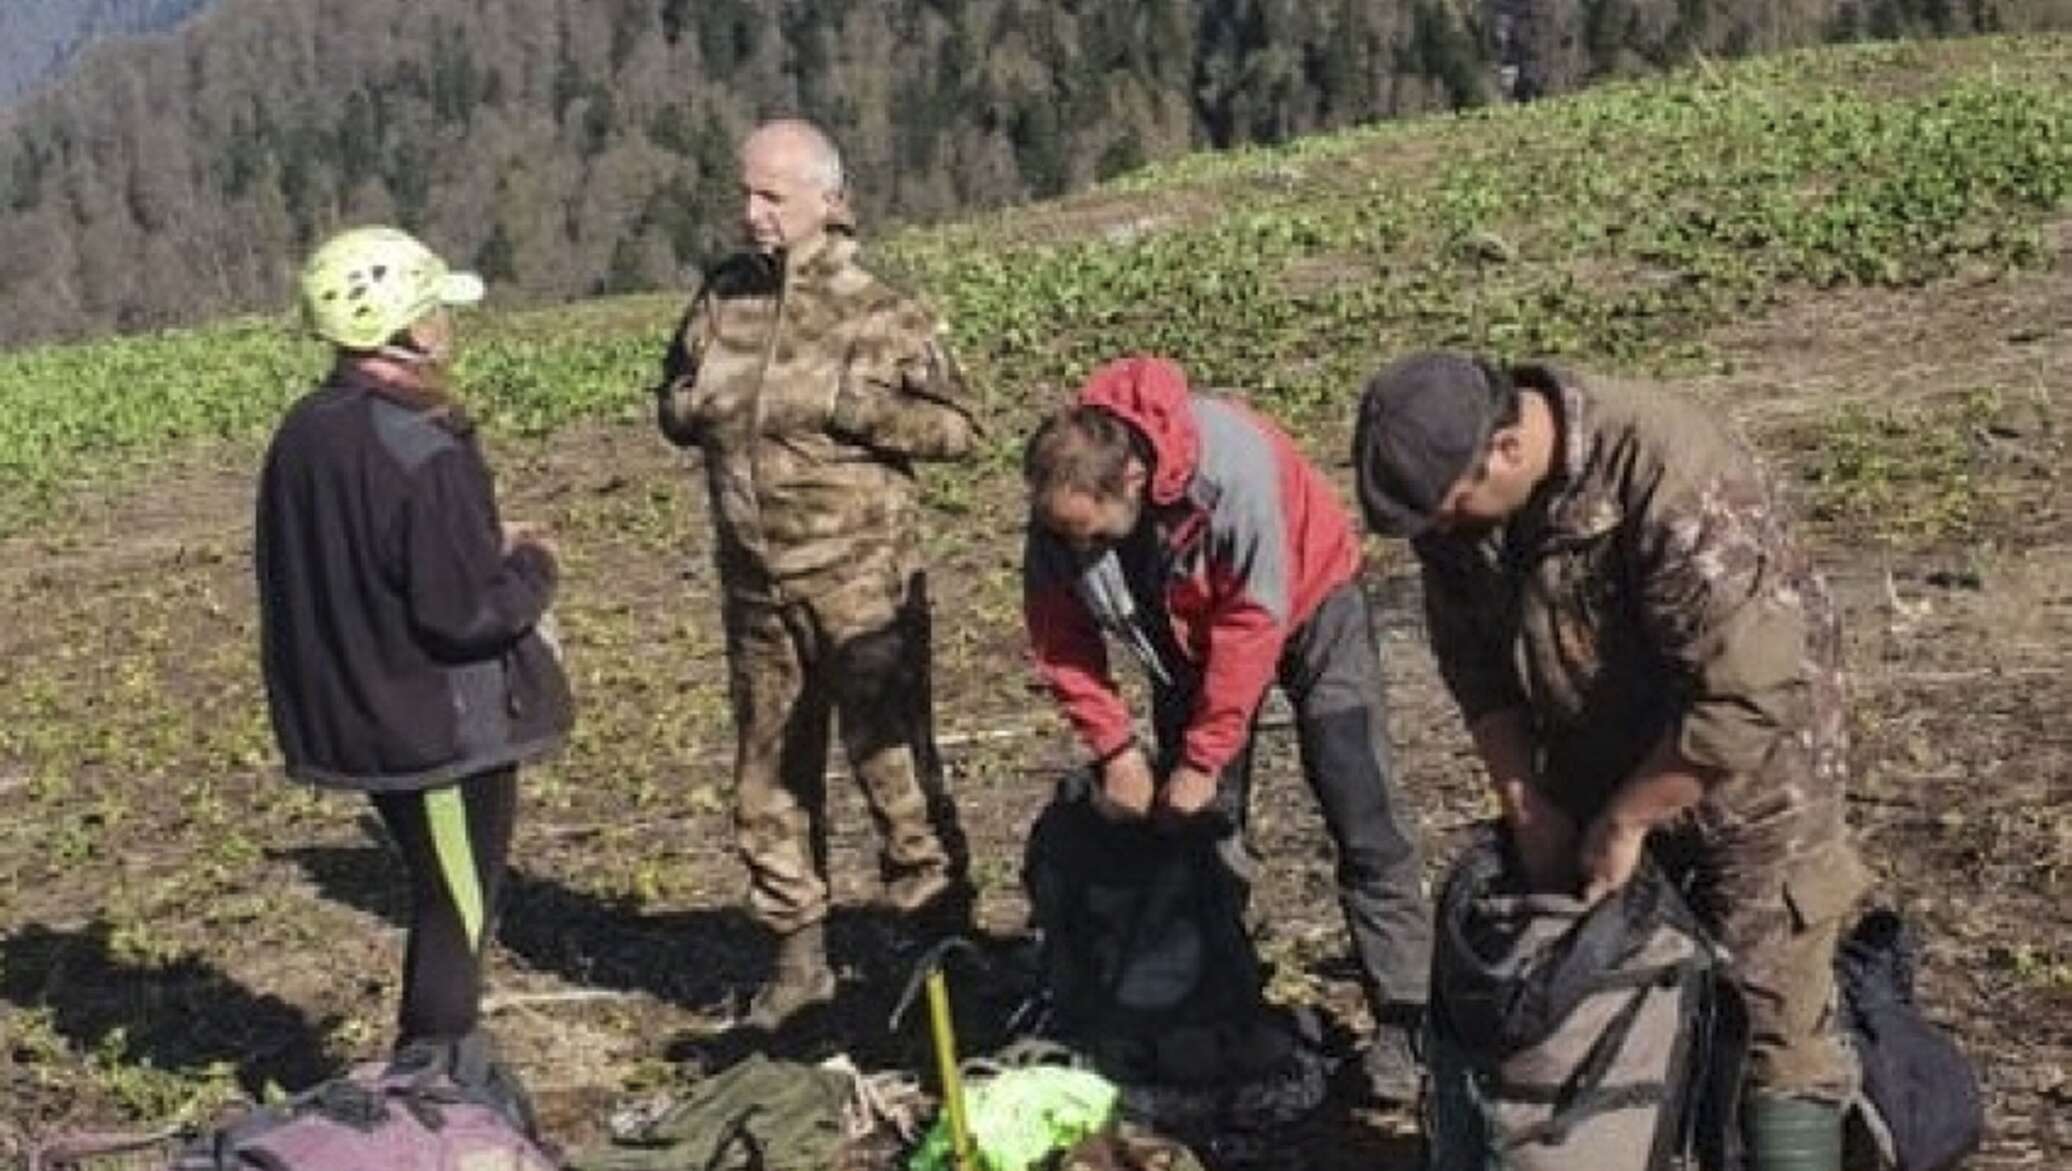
<point>1488,496</point>
<point>1090,524</point>
<point>784,204</point>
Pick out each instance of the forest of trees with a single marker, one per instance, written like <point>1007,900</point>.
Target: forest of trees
<point>571,147</point>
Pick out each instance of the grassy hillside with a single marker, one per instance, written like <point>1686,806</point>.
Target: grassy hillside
<point>1610,226</point>
<point>1862,255</point>
<point>574,149</point>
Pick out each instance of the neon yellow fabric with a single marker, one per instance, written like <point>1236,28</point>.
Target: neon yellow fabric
<point>1022,1116</point>
<point>449,823</point>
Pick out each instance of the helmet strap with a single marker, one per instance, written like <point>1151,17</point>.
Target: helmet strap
<point>406,355</point>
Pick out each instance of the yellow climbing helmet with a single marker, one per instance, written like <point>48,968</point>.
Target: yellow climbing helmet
<point>366,285</point>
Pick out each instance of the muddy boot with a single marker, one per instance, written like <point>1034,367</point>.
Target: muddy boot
<point>1792,1134</point>
<point>802,980</point>
<point>932,904</point>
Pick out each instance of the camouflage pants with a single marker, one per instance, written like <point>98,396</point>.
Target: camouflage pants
<point>1780,912</point>
<point>855,653</point>
<point>1768,866</point>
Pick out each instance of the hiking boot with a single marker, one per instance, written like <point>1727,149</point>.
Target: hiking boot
<point>931,903</point>
<point>1390,1070</point>
<point>471,1062</point>
<point>802,980</point>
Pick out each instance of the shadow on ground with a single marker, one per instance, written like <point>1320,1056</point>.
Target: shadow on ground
<point>711,960</point>
<point>178,1016</point>
<point>690,958</point>
<point>704,959</point>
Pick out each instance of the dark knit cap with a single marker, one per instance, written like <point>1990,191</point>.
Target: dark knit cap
<point>1423,420</point>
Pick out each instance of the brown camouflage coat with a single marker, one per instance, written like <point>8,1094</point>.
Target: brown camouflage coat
<point>1653,586</point>
<point>811,387</point>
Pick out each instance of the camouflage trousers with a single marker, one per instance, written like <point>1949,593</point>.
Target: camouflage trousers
<point>1779,899</point>
<point>1767,865</point>
<point>855,654</point>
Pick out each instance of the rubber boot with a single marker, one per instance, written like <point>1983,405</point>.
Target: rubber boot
<point>1792,1134</point>
<point>802,980</point>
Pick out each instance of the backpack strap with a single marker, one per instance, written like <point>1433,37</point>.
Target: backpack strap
<point>1555,1130</point>
<point>737,1134</point>
<point>348,1103</point>
<point>430,1074</point>
<point>424,1107</point>
<point>1583,1095</point>
<point>229,1148</point>
<point>1704,1039</point>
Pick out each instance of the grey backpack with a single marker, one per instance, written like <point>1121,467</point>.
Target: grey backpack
<point>1607,1038</point>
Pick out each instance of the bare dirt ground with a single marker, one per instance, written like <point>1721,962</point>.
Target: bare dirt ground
<point>182,927</point>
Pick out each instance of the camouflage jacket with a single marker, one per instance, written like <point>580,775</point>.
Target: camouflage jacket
<point>1650,586</point>
<point>811,387</point>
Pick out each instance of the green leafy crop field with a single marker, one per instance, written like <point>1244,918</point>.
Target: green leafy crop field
<point>1863,255</point>
<point>1611,225</point>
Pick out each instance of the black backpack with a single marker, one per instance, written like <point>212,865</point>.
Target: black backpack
<point>1149,976</point>
<point>1143,932</point>
<point>1923,1091</point>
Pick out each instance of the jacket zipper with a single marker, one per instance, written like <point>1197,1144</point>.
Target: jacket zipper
<point>755,412</point>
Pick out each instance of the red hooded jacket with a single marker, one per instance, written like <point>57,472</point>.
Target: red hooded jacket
<point>1250,538</point>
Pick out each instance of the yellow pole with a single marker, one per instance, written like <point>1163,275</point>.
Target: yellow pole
<point>962,1156</point>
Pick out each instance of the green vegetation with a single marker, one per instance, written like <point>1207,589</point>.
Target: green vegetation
<point>78,413</point>
<point>1901,474</point>
<point>1610,226</point>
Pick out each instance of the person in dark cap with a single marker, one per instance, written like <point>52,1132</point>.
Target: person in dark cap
<point>1195,533</point>
<point>1646,660</point>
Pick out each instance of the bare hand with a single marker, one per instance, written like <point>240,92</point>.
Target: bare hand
<point>1187,791</point>
<point>691,399</point>
<point>522,533</point>
<point>1610,854</point>
<point>1124,793</point>
<point>1544,838</point>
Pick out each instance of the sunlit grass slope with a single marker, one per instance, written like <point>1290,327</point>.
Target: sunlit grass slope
<point>1611,225</point>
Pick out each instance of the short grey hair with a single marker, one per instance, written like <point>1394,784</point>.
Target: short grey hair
<point>823,159</point>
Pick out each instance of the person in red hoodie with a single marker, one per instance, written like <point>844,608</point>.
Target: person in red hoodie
<point>1195,534</point>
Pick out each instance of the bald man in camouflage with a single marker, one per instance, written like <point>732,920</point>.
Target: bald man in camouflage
<point>812,389</point>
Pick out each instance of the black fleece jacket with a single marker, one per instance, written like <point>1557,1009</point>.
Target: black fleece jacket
<point>397,636</point>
